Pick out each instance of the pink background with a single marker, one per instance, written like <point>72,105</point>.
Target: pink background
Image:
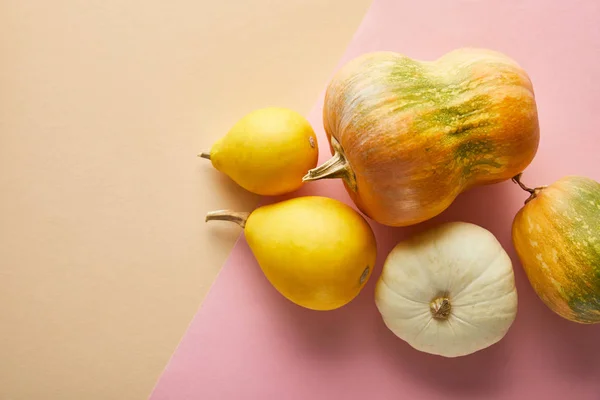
<point>248,342</point>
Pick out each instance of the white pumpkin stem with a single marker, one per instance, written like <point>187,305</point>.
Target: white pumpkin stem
<point>334,168</point>
<point>533,193</point>
<point>226,215</point>
<point>440,307</point>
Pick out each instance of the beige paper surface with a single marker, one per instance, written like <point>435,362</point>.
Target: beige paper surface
<point>104,257</point>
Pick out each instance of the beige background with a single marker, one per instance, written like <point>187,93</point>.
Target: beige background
<point>104,256</point>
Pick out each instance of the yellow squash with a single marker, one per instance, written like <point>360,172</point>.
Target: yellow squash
<point>267,151</point>
<point>316,251</point>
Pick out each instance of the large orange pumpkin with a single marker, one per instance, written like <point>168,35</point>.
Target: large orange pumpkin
<point>409,136</point>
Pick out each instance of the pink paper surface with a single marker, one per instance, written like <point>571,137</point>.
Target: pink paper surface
<point>248,342</point>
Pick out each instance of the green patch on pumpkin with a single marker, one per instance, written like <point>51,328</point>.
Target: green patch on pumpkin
<point>453,114</point>
<point>417,86</point>
<point>471,149</point>
<point>439,106</point>
<point>586,308</point>
<point>474,154</point>
<point>584,296</point>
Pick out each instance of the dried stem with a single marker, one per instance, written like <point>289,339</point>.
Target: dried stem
<point>226,215</point>
<point>533,193</point>
<point>336,167</point>
<point>204,155</point>
<point>440,308</point>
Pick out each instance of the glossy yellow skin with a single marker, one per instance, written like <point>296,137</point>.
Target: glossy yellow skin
<point>267,151</point>
<point>557,238</point>
<point>316,251</point>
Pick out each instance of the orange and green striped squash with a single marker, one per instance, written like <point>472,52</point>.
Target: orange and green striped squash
<point>557,237</point>
<point>409,136</point>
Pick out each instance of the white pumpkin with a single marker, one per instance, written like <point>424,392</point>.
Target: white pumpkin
<point>449,290</point>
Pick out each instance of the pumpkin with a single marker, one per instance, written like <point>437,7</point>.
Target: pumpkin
<point>556,235</point>
<point>449,290</point>
<point>409,136</point>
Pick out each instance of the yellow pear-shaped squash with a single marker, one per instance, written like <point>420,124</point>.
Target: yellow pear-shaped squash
<point>267,151</point>
<point>316,251</point>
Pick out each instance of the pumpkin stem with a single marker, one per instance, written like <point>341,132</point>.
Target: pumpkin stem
<point>226,215</point>
<point>533,193</point>
<point>336,167</point>
<point>204,155</point>
<point>440,308</point>
<point>517,179</point>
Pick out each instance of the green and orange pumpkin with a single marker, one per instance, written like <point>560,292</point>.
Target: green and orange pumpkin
<point>409,136</point>
<point>557,237</point>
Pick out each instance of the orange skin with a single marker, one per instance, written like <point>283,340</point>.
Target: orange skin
<point>417,134</point>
